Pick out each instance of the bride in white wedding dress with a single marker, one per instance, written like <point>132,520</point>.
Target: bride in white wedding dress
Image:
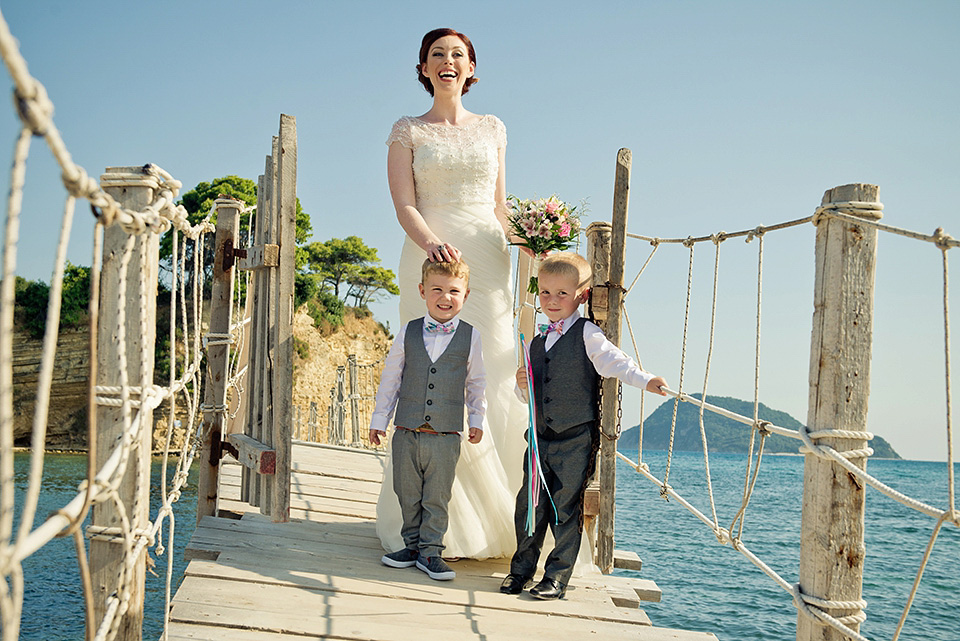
<point>446,175</point>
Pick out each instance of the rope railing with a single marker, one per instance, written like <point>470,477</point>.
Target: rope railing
<point>351,407</point>
<point>864,214</point>
<point>136,396</point>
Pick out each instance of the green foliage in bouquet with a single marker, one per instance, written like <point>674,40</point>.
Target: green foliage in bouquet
<point>543,225</point>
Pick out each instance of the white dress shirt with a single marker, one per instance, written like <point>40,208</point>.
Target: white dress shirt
<point>608,359</point>
<point>435,343</point>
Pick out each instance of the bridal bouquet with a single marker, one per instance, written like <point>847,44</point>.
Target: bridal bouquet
<point>543,225</point>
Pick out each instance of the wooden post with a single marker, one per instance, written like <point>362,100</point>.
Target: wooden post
<point>256,294</point>
<point>354,405</point>
<point>831,538</point>
<point>341,410</point>
<point>263,430</point>
<point>134,189</point>
<point>526,318</point>
<point>283,363</point>
<point>215,387</point>
<point>598,255</point>
<point>331,417</point>
<point>609,425</point>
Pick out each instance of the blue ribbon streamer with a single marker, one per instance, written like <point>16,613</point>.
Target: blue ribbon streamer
<point>534,468</point>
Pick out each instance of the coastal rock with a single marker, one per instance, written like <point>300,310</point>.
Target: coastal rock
<point>67,416</point>
<point>723,434</point>
<point>314,375</point>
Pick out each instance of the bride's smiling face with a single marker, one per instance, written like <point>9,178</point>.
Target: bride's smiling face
<point>448,64</point>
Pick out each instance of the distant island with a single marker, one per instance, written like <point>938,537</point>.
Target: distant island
<point>723,434</point>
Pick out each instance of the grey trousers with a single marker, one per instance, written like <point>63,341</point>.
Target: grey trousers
<point>565,462</point>
<point>424,466</point>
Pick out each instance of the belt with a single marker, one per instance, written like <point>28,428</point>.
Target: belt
<point>424,429</point>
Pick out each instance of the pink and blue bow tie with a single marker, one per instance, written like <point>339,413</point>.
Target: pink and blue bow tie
<point>546,328</point>
<point>439,328</point>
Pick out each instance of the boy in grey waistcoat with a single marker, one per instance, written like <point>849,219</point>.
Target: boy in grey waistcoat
<point>433,370</point>
<point>567,359</point>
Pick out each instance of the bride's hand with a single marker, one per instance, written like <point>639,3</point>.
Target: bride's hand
<point>443,253</point>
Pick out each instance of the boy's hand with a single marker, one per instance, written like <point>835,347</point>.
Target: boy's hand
<point>655,384</point>
<point>474,435</point>
<point>375,436</point>
<point>521,378</point>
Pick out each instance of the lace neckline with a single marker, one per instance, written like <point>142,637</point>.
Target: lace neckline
<point>441,125</point>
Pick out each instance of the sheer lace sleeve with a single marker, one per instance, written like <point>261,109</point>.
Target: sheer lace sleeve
<point>402,133</point>
<point>499,132</point>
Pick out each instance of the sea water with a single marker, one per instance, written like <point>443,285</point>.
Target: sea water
<point>53,598</point>
<point>706,586</point>
<point>713,588</point>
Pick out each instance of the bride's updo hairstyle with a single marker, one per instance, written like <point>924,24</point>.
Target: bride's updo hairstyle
<point>428,41</point>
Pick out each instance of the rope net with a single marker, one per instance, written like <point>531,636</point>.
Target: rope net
<point>864,214</point>
<point>136,396</point>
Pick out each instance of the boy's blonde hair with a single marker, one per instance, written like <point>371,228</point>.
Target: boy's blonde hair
<point>570,265</point>
<point>457,269</point>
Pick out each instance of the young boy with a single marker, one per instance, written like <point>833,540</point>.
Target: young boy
<point>433,370</point>
<point>566,359</point>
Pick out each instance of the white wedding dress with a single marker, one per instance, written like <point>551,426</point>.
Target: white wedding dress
<point>455,171</point>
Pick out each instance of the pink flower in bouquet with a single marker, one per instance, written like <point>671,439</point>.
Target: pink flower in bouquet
<point>543,225</point>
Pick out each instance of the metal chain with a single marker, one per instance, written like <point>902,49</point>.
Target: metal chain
<point>619,406</point>
<point>616,435</point>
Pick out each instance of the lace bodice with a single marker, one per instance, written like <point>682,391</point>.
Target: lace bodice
<point>452,164</point>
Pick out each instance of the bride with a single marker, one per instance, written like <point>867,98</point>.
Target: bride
<point>446,175</point>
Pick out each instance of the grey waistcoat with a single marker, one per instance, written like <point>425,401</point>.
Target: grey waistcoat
<point>565,382</point>
<point>433,392</point>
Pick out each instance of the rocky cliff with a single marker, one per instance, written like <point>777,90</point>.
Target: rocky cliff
<point>67,418</point>
<point>314,375</point>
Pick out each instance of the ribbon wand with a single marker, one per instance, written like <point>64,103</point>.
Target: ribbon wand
<point>535,471</point>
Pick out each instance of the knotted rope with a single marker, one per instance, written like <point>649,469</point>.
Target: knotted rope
<point>865,214</point>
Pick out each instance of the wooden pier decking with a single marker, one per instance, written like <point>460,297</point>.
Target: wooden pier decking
<point>320,577</point>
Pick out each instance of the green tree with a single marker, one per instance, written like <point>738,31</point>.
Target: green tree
<point>338,261</point>
<point>32,298</point>
<point>367,284</point>
<point>198,203</point>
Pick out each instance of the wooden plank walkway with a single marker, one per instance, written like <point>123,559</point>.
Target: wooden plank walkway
<point>320,576</point>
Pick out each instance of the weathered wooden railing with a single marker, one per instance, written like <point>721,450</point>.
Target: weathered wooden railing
<point>351,400</point>
<point>261,436</point>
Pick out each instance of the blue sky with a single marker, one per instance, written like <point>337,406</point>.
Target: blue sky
<point>737,113</point>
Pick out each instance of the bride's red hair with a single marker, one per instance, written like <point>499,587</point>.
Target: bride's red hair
<point>428,41</point>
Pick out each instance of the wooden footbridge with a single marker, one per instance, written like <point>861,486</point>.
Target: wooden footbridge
<point>286,544</point>
<point>319,575</point>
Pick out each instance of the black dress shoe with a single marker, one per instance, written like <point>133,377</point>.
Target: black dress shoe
<point>548,589</point>
<point>514,584</point>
